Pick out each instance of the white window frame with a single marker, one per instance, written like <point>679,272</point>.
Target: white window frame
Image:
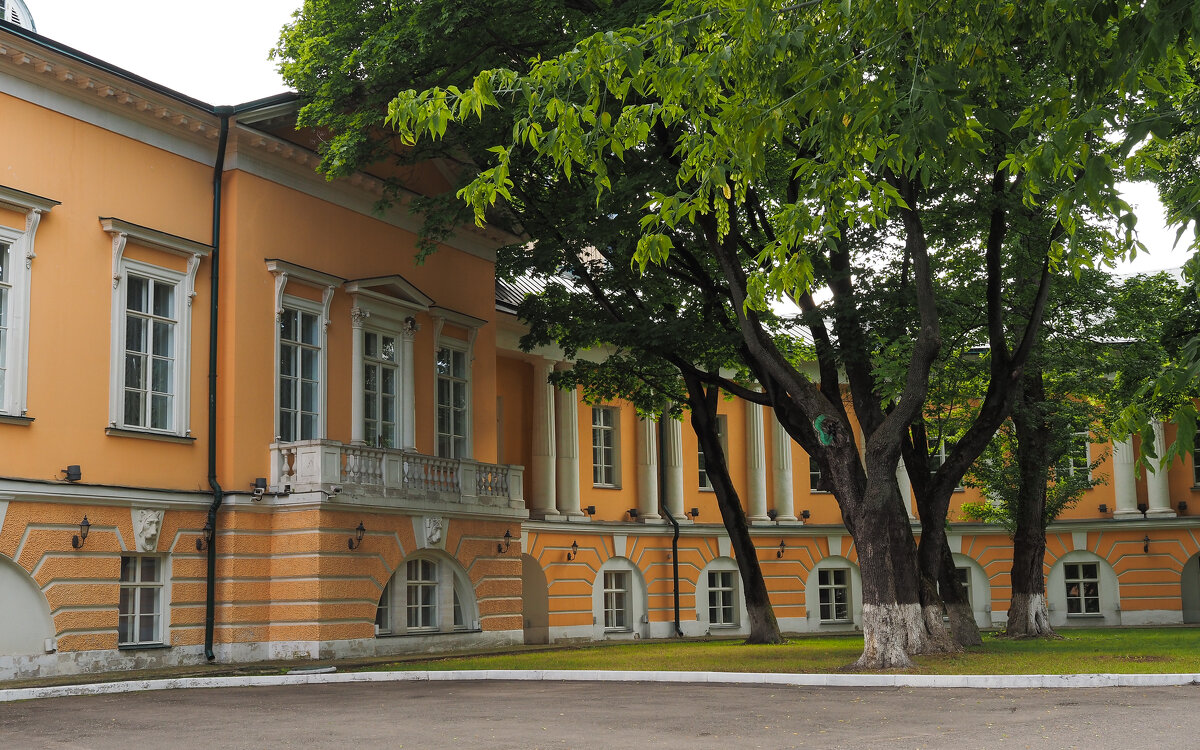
<point>426,610</point>
<point>136,586</point>
<point>617,601</point>
<point>374,401</point>
<point>14,399</point>
<point>181,341</point>
<point>727,590</point>
<point>301,307</point>
<point>1073,573</point>
<point>454,347</point>
<point>286,273</point>
<point>613,430</point>
<point>937,459</point>
<point>826,591</point>
<point>1196,460</point>
<point>471,325</point>
<point>452,606</point>
<point>723,438</point>
<point>123,232</point>
<point>814,477</point>
<point>1068,463</point>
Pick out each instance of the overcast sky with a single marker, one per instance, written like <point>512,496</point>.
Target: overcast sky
<point>217,51</point>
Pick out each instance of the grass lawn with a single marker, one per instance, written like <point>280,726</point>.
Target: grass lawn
<point>1132,650</point>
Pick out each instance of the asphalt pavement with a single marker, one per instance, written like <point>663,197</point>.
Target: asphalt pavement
<point>600,715</point>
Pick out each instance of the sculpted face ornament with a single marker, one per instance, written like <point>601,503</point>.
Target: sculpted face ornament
<point>146,525</point>
<point>433,530</point>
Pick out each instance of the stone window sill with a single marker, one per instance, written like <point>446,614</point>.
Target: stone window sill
<point>12,419</point>
<point>143,435</point>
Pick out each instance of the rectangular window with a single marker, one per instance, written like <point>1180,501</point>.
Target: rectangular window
<point>721,595</point>
<point>151,328</point>
<point>299,375</point>
<point>814,476</point>
<point>705,484</point>
<point>380,390</point>
<point>140,611</point>
<point>937,458</point>
<point>1075,460</point>
<point>1196,461</point>
<point>452,403</point>
<point>422,595</point>
<point>604,446</point>
<point>6,296</point>
<point>616,600</point>
<point>1083,588</point>
<point>833,585</point>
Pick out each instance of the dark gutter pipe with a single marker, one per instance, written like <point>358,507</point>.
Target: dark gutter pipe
<point>218,493</point>
<point>662,506</point>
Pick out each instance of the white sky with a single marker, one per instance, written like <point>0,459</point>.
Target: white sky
<point>217,52</point>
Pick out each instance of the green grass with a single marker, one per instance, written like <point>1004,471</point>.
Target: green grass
<point>1134,650</point>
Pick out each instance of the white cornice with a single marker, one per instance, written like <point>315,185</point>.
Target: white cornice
<point>153,238</point>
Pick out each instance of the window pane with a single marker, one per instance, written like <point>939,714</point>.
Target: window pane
<point>164,336</point>
<point>287,325</point>
<point>127,569</point>
<point>160,375</point>
<point>147,630</point>
<point>124,628</point>
<point>135,334</point>
<point>370,344</point>
<point>133,408</point>
<point>134,374</point>
<point>160,412</point>
<point>308,328</point>
<point>164,300</point>
<point>149,570</point>
<point>370,378</point>
<point>137,293</point>
<point>309,360</point>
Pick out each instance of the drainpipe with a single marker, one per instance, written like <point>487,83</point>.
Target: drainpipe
<point>662,507</point>
<point>218,493</point>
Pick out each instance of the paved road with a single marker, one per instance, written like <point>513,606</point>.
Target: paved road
<point>597,716</point>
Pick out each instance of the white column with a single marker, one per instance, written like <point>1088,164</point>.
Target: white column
<point>1158,493</point>
<point>567,457</point>
<point>408,398</point>
<point>905,485</point>
<point>357,428</point>
<point>673,461</point>
<point>756,464</point>
<point>1124,490</point>
<point>781,476</point>
<point>543,442</point>
<point>647,470</point>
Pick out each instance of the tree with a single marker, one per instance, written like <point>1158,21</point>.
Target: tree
<point>872,108</point>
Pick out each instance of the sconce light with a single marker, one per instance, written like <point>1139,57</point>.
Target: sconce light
<point>1145,544</point>
<point>632,512</point>
<point>1142,507</point>
<point>574,551</point>
<point>503,547</point>
<point>205,537</point>
<point>772,514</point>
<point>782,549</point>
<point>1183,506</point>
<point>260,486</point>
<point>77,540</point>
<point>590,510</point>
<point>694,513</point>
<point>355,541</point>
<point>1103,508</point>
<point>72,473</point>
<point>804,514</point>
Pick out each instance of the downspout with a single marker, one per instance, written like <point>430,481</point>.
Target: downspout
<point>218,493</point>
<point>662,506</point>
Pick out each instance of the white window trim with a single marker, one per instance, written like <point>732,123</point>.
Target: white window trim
<point>380,313</point>
<point>939,458</point>
<point>1082,597</point>
<point>441,316</point>
<point>849,586</point>
<point>450,580</point>
<point>284,273</point>
<point>16,387</point>
<point>734,596</point>
<point>164,618</point>
<point>722,436</point>
<point>628,589</point>
<point>185,292</point>
<point>616,448</point>
<point>1072,469</point>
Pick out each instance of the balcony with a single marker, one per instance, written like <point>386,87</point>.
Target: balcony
<point>390,477</point>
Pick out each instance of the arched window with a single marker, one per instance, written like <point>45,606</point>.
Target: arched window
<point>719,598</point>
<point>1082,589</point>
<point>833,594</point>
<point>619,599</point>
<point>429,593</point>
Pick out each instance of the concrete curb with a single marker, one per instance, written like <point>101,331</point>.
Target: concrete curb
<point>570,675</point>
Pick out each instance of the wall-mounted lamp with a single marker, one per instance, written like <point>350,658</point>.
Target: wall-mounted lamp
<point>259,487</point>
<point>205,537</point>
<point>1183,506</point>
<point>590,510</point>
<point>1103,508</point>
<point>1145,544</point>
<point>77,540</point>
<point>1142,507</point>
<point>355,541</point>
<point>782,549</point>
<point>772,514</point>
<point>694,513</point>
<point>72,473</point>
<point>574,551</point>
<point>502,547</point>
<point>804,514</point>
<point>633,512</point>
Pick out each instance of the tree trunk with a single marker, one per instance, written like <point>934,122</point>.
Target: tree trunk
<point>1027,613</point>
<point>763,626</point>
